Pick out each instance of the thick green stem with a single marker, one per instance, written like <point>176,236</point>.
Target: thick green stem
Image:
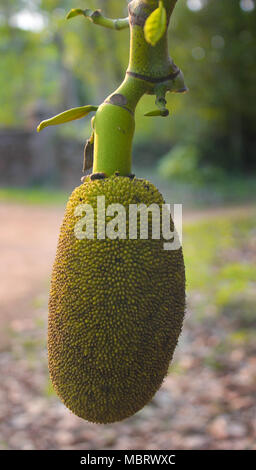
<point>150,61</point>
<point>132,89</point>
<point>150,71</point>
<point>114,127</point>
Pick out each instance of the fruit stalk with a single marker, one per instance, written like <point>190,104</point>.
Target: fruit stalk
<point>150,71</point>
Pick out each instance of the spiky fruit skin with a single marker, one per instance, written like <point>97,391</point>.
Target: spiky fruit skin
<point>116,310</point>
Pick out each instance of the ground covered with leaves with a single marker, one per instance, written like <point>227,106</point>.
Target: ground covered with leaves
<point>208,400</point>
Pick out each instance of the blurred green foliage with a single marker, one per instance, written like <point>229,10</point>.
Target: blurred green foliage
<point>183,163</point>
<point>180,163</point>
<point>71,63</point>
<point>39,196</point>
<point>219,255</point>
<point>231,191</point>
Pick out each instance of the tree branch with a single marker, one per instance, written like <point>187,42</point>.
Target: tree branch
<point>97,18</point>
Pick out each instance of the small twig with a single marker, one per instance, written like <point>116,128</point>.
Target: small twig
<point>97,18</point>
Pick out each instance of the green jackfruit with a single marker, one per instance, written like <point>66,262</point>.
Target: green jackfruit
<point>115,311</point>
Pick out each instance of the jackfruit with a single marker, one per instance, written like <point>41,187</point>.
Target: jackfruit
<point>116,308</point>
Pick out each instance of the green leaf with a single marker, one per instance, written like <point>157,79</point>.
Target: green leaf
<point>155,25</point>
<point>74,12</point>
<point>67,116</point>
<point>158,112</point>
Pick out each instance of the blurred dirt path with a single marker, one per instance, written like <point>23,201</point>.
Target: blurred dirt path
<point>28,240</point>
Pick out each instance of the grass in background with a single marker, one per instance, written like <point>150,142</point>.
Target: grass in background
<point>41,196</point>
<point>229,191</point>
<point>220,266</point>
